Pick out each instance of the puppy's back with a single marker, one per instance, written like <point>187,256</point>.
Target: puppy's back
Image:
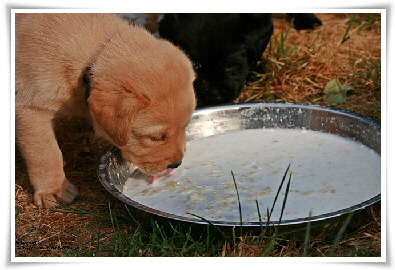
<point>53,49</point>
<point>58,34</point>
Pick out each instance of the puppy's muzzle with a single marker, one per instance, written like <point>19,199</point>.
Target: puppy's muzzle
<point>174,165</point>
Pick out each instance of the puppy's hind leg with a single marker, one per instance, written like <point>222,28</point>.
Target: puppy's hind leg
<point>44,161</point>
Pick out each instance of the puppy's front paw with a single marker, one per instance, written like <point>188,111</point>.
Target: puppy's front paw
<point>49,199</point>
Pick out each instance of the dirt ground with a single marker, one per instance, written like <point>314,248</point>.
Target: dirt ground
<point>320,57</point>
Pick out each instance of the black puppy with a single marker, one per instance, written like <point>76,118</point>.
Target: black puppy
<point>223,47</point>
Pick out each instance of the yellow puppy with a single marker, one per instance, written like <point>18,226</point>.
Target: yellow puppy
<point>136,89</point>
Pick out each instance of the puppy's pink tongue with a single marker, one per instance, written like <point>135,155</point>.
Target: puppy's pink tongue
<point>154,177</point>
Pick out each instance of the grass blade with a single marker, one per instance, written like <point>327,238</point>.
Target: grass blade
<point>285,200</point>
<point>346,36</point>
<point>259,215</point>
<point>238,200</point>
<point>339,234</point>
<point>278,191</point>
<point>210,223</point>
<point>307,236</point>
<point>268,247</point>
<point>77,211</point>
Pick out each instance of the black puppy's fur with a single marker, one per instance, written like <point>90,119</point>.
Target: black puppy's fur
<point>223,47</point>
<point>305,21</point>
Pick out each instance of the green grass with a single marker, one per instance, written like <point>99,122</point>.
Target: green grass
<point>132,236</point>
<point>149,238</point>
<point>153,238</point>
<point>278,47</point>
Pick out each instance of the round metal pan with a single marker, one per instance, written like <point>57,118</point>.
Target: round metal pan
<point>113,171</point>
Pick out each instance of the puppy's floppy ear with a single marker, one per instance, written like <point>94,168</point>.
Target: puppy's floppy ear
<point>114,112</point>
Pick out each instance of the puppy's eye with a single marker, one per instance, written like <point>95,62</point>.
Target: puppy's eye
<point>158,138</point>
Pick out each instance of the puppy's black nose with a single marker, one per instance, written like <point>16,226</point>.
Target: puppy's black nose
<point>174,165</point>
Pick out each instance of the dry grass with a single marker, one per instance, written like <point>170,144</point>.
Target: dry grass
<point>299,71</point>
<point>296,73</point>
<point>39,230</point>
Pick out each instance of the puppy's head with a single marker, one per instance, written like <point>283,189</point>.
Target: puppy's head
<point>142,98</point>
<point>220,74</point>
<point>223,47</point>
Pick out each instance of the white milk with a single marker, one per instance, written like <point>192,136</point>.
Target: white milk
<point>329,173</point>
